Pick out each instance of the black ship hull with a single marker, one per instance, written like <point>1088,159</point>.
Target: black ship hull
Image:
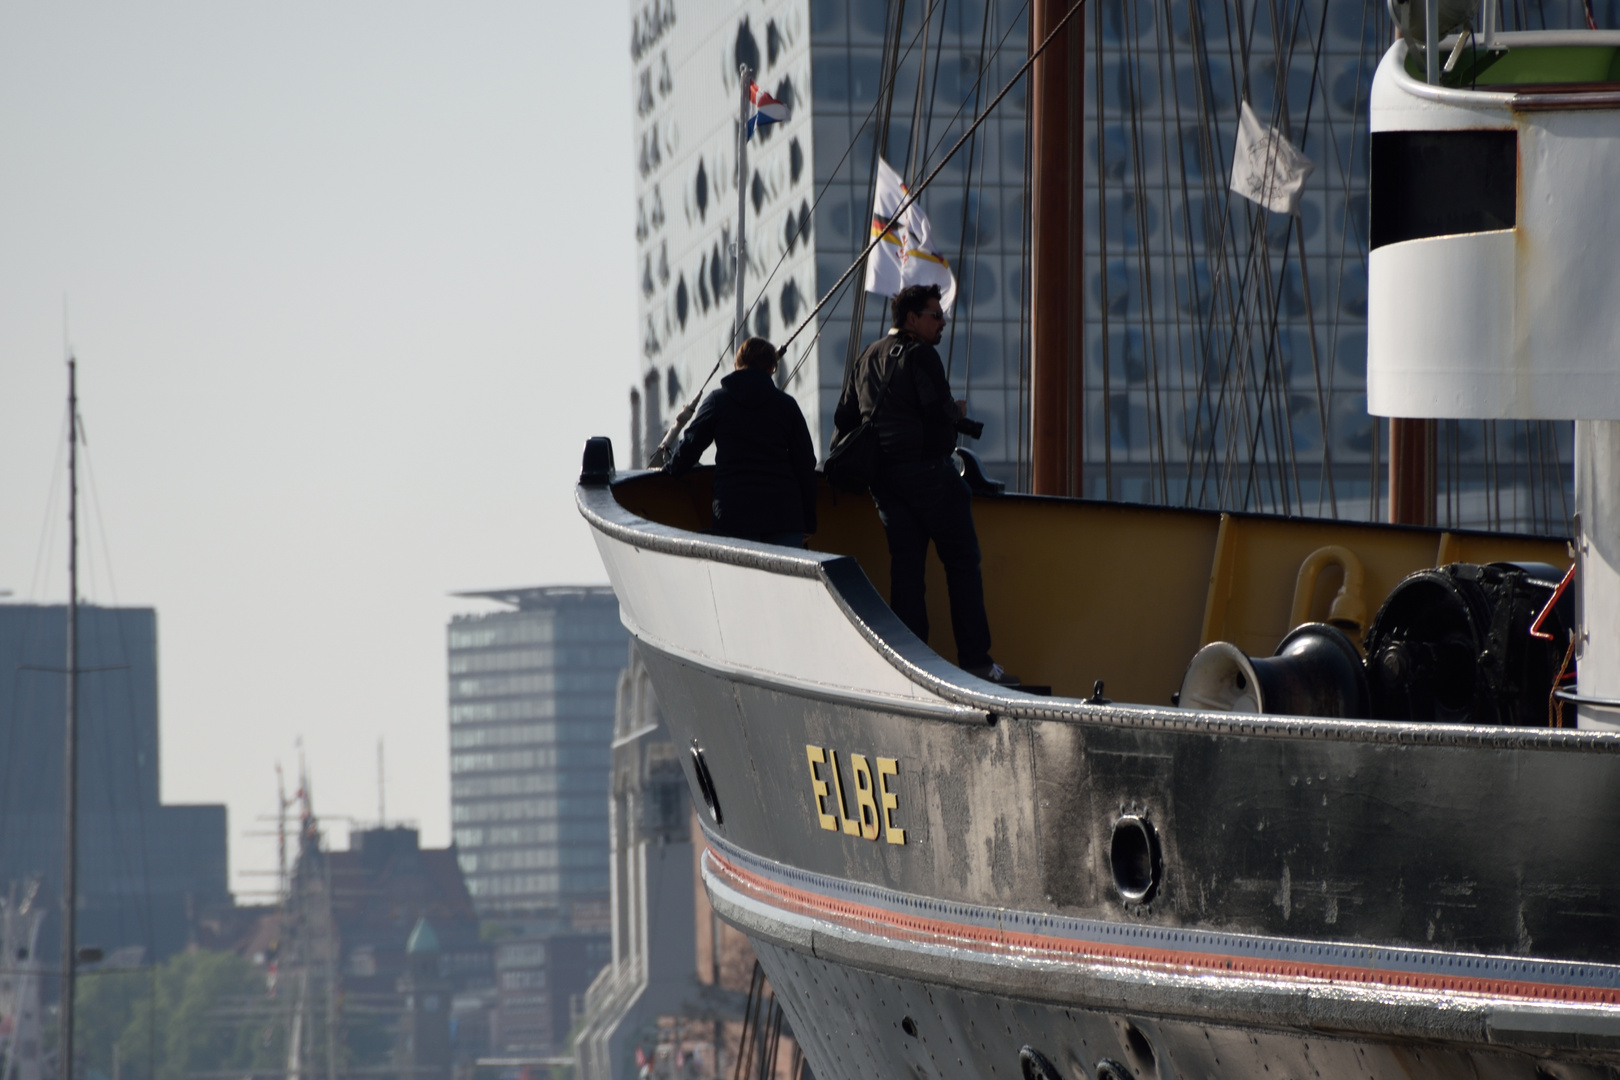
<point>944,878</point>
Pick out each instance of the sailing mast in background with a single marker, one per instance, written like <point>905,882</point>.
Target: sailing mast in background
<point>70,771</point>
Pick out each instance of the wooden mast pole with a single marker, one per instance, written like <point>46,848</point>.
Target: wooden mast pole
<point>1056,298</point>
<point>1411,471</point>
<point>1412,441</point>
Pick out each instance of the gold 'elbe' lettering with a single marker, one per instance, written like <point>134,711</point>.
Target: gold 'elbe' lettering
<point>887,767</point>
<point>818,788</point>
<point>865,806</point>
<point>851,827</point>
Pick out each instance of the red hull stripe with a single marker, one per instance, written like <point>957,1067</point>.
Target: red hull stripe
<point>994,941</point>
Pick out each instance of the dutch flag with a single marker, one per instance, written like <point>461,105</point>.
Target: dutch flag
<point>763,109</point>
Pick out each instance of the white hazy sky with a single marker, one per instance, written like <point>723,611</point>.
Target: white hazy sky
<point>349,285</point>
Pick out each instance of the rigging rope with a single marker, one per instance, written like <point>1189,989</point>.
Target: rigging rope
<point>668,442</point>
<point>967,185</point>
<point>880,143</point>
<point>913,195</point>
<point>1226,315</point>
<point>978,217</point>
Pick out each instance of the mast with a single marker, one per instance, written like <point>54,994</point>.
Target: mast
<point>1412,440</point>
<point>743,78</point>
<point>70,777</point>
<point>1411,471</point>
<point>1057,249</point>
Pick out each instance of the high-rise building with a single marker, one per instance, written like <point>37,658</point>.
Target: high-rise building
<point>1222,347</point>
<point>541,982</point>
<point>531,722</point>
<point>146,871</point>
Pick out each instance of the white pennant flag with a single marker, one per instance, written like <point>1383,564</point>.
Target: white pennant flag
<point>1266,168</point>
<point>883,265</point>
<point>908,254</point>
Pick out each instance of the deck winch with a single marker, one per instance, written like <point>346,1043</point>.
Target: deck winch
<point>1453,645</point>
<point>1449,645</point>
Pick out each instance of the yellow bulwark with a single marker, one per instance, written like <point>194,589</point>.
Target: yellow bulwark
<point>1079,591</point>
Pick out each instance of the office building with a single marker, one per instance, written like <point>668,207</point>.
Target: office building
<point>531,719</point>
<point>541,983</point>
<point>146,871</point>
<point>1223,348</point>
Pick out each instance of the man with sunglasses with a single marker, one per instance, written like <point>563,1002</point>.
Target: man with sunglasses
<point>919,494</point>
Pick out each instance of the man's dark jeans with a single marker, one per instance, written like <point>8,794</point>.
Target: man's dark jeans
<point>923,501</point>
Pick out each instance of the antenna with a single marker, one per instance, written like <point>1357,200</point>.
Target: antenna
<point>382,791</point>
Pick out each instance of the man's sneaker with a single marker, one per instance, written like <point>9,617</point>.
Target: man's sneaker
<point>993,672</point>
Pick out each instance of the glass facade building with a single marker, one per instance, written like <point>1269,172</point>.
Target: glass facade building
<point>1224,346</point>
<point>809,194</point>
<point>975,204</point>
<point>531,722</point>
<point>1209,388</point>
<point>687,98</point>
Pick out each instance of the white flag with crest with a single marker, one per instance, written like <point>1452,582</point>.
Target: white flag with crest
<point>883,265</point>
<point>1267,168</point>
<point>908,254</point>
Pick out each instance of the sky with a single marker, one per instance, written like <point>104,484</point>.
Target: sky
<point>349,285</point>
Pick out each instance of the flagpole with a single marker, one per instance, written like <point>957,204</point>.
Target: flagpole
<point>740,330</point>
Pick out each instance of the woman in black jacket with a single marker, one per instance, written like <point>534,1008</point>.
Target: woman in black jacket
<point>764,462</point>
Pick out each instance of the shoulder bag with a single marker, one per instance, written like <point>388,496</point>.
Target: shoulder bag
<point>854,457</point>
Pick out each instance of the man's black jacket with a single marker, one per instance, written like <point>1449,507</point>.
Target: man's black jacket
<point>764,462</point>
<point>918,421</point>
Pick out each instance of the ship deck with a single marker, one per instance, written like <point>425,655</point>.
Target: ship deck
<point>1079,590</point>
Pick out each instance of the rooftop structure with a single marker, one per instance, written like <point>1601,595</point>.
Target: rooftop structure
<point>390,894</point>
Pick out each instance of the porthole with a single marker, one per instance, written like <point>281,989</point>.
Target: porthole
<point>1135,859</point>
